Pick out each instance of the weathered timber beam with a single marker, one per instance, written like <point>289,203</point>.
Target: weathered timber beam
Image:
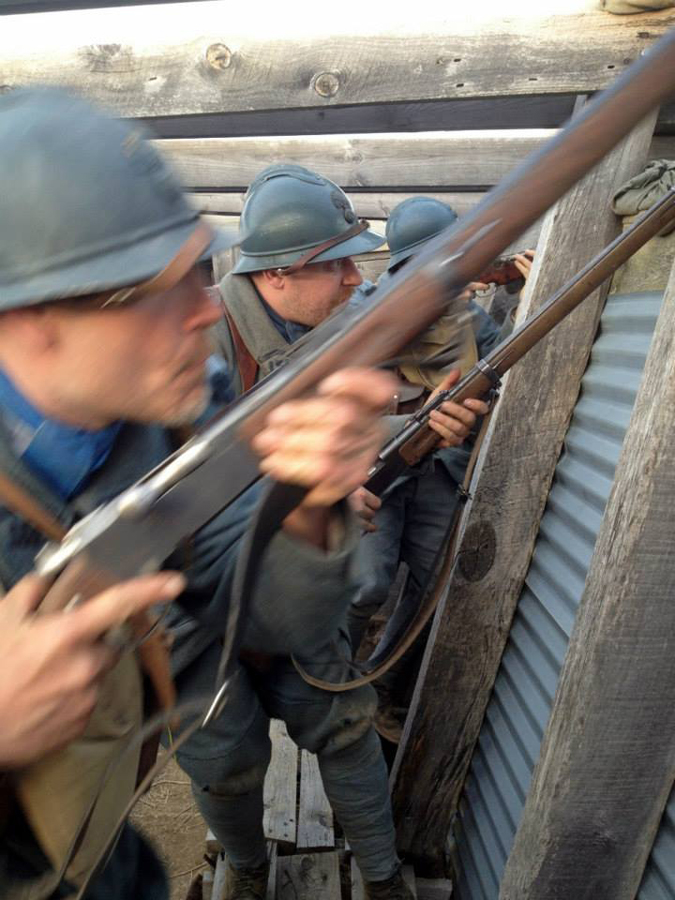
<point>209,65</point>
<point>512,481</point>
<point>452,159</point>
<point>607,760</point>
<point>369,205</point>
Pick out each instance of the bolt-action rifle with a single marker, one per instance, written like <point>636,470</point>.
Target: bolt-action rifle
<point>416,439</point>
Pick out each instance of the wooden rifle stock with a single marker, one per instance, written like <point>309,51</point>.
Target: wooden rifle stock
<point>417,439</point>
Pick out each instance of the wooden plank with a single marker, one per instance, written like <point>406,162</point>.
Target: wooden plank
<point>220,878</point>
<point>309,877</point>
<point>194,61</point>
<point>280,791</point>
<point>213,845</point>
<point>370,205</point>
<point>315,816</point>
<point>511,484</point>
<point>606,767</point>
<point>426,160</point>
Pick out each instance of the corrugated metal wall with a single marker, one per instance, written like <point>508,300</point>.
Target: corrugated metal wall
<point>518,711</point>
<point>659,878</point>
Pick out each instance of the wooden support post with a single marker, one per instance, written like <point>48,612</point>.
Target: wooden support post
<point>512,482</point>
<point>608,757</point>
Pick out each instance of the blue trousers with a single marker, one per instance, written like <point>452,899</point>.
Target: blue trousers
<point>411,526</point>
<point>227,761</point>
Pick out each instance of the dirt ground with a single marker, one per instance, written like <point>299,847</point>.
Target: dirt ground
<point>167,815</point>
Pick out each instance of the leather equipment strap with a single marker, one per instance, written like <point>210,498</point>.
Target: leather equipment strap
<point>246,362</point>
<point>306,258</point>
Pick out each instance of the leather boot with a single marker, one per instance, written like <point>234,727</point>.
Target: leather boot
<point>247,884</point>
<point>393,888</point>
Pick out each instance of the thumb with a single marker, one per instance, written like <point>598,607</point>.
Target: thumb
<point>449,381</point>
<point>25,596</point>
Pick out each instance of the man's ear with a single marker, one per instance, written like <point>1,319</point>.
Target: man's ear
<point>32,328</point>
<point>270,278</point>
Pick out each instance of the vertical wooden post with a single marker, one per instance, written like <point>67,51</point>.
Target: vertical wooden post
<point>513,479</point>
<point>608,758</point>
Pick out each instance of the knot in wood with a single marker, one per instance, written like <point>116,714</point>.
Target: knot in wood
<point>218,56</point>
<point>327,84</point>
<point>477,555</point>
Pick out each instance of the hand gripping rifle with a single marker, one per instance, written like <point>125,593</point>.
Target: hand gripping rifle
<point>416,439</point>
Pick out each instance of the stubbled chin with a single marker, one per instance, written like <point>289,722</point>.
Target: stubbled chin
<point>188,413</point>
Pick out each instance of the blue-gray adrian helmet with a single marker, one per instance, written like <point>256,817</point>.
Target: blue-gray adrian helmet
<point>87,205</point>
<point>293,217</point>
<point>414,222</point>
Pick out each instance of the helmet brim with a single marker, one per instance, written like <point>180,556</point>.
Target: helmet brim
<point>364,242</point>
<point>136,263</point>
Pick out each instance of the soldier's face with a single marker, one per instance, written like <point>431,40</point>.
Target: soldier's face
<point>144,362</point>
<point>316,290</point>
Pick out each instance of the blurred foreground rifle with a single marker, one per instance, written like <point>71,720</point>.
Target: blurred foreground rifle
<point>416,439</point>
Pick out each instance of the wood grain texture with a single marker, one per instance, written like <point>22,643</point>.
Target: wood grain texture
<point>607,760</point>
<point>371,205</point>
<point>315,816</point>
<point>308,877</point>
<point>208,68</point>
<point>511,484</point>
<point>280,792</point>
<point>424,161</point>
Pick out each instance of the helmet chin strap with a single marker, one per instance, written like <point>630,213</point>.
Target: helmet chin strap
<point>306,258</point>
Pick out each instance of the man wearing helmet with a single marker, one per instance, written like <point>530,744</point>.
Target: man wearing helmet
<point>420,506</point>
<point>103,345</point>
<point>298,232</point>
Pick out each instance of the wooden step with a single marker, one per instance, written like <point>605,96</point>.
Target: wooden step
<point>281,787</point>
<point>315,816</point>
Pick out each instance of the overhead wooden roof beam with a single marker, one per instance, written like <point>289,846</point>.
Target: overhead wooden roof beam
<point>117,60</point>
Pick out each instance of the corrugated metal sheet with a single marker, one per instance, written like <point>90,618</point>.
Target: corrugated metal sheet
<point>518,711</point>
<point>659,878</point>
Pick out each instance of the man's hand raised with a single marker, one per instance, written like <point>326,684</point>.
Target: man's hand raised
<point>51,664</point>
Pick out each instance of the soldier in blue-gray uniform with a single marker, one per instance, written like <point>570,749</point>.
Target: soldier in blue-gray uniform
<point>103,347</point>
<point>420,505</point>
<point>299,231</point>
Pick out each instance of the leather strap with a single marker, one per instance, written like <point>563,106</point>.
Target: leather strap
<point>152,650</point>
<point>430,599</point>
<point>246,362</point>
<point>306,258</point>
<point>25,506</point>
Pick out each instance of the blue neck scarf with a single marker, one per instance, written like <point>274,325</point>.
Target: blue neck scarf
<point>290,331</point>
<point>64,457</point>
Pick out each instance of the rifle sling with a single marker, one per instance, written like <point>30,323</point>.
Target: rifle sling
<point>431,598</point>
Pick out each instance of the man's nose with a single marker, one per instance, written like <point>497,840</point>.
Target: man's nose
<point>350,273</point>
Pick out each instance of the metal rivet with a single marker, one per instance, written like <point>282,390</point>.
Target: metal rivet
<point>327,84</point>
<point>218,56</point>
